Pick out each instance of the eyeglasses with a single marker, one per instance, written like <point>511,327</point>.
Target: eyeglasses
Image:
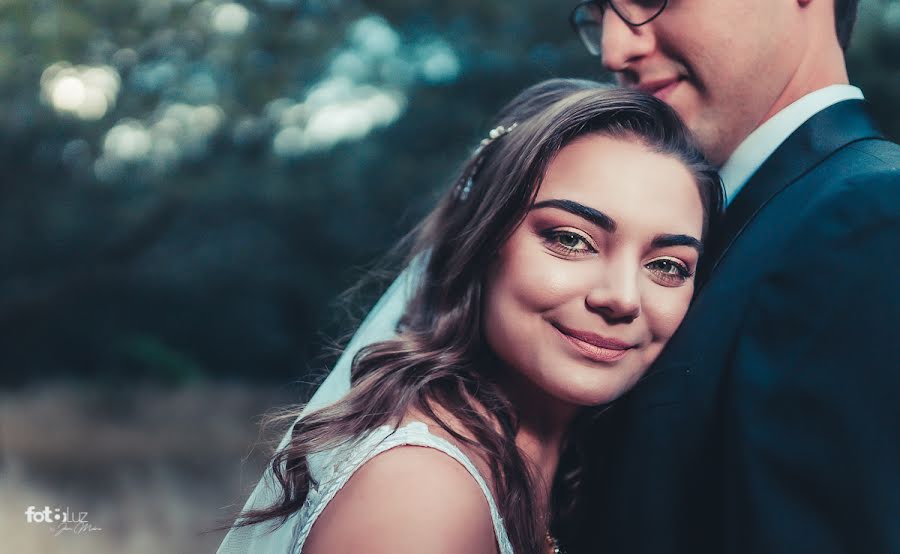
<point>587,17</point>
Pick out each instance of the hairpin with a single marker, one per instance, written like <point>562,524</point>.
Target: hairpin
<point>465,186</point>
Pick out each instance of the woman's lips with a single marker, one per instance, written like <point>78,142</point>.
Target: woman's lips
<point>595,347</point>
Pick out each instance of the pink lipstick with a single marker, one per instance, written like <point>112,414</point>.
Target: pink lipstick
<point>593,346</point>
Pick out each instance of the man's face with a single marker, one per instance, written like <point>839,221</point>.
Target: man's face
<point>722,64</point>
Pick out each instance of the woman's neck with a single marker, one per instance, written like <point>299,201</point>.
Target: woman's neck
<point>541,449</point>
<point>543,425</point>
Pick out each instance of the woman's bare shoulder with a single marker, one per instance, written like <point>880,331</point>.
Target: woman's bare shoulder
<point>456,424</point>
<point>406,499</point>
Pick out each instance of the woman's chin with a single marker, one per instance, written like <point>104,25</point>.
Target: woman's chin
<point>593,392</point>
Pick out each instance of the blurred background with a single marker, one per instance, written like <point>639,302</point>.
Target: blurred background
<point>186,187</point>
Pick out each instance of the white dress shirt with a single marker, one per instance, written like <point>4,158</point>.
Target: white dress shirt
<point>760,144</point>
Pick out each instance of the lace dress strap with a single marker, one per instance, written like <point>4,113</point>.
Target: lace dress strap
<point>343,462</point>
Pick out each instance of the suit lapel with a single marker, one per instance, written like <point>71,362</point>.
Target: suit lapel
<point>819,137</point>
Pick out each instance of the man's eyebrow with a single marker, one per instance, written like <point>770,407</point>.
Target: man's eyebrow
<point>596,217</point>
<point>662,241</point>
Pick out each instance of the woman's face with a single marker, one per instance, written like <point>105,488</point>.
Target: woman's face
<point>589,288</point>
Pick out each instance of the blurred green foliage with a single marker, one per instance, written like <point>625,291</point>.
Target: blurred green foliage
<point>169,209</point>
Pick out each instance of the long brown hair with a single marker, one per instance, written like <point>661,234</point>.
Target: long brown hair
<point>438,360</point>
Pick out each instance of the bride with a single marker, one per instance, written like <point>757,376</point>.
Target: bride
<point>550,276</point>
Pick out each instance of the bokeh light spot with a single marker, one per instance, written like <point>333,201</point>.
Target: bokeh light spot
<point>230,19</point>
<point>84,92</point>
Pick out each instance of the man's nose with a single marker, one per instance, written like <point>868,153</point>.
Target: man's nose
<point>616,294</point>
<point>621,44</point>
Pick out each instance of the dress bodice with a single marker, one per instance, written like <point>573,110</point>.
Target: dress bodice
<point>334,468</point>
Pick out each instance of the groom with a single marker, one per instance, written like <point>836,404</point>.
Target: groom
<point>771,422</point>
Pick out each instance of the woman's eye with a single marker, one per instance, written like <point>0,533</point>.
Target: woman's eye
<point>568,242</point>
<point>669,272</point>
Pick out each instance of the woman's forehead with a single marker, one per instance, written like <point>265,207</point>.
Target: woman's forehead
<point>626,181</point>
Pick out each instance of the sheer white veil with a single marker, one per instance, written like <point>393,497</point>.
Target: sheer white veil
<point>379,325</point>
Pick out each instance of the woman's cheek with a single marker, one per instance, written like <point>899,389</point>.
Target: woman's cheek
<point>534,277</point>
<point>665,309</point>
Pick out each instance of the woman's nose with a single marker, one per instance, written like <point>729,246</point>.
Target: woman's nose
<point>616,293</point>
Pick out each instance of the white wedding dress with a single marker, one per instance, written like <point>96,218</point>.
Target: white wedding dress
<point>335,469</point>
<point>332,469</point>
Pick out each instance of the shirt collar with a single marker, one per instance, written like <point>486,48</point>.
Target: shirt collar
<point>760,144</point>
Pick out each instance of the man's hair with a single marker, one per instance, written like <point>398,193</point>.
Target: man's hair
<point>844,19</point>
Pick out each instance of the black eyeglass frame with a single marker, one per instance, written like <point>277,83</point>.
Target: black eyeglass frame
<point>601,4</point>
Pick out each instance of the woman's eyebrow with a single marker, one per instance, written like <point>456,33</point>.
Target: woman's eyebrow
<point>662,241</point>
<point>596,217</point>
<point>608,224</point>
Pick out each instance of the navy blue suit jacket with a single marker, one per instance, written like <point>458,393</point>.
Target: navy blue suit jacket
<point>771,422</point>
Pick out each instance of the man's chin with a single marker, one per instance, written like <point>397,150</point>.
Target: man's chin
<point>684,98</point>
<point>710,140</point>
<point>681,98</point>
<point>684,101</point>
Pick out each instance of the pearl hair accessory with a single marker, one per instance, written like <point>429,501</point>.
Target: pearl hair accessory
<point>465,186</point>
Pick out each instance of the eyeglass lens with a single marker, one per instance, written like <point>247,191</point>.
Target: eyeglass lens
<point>587,18</point>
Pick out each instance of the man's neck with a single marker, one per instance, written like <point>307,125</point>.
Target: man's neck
<point>823,66</point>
<point>752,152</point>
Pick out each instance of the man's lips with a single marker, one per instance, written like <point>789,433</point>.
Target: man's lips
<point>594,346</point>
<point>660,88</point>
